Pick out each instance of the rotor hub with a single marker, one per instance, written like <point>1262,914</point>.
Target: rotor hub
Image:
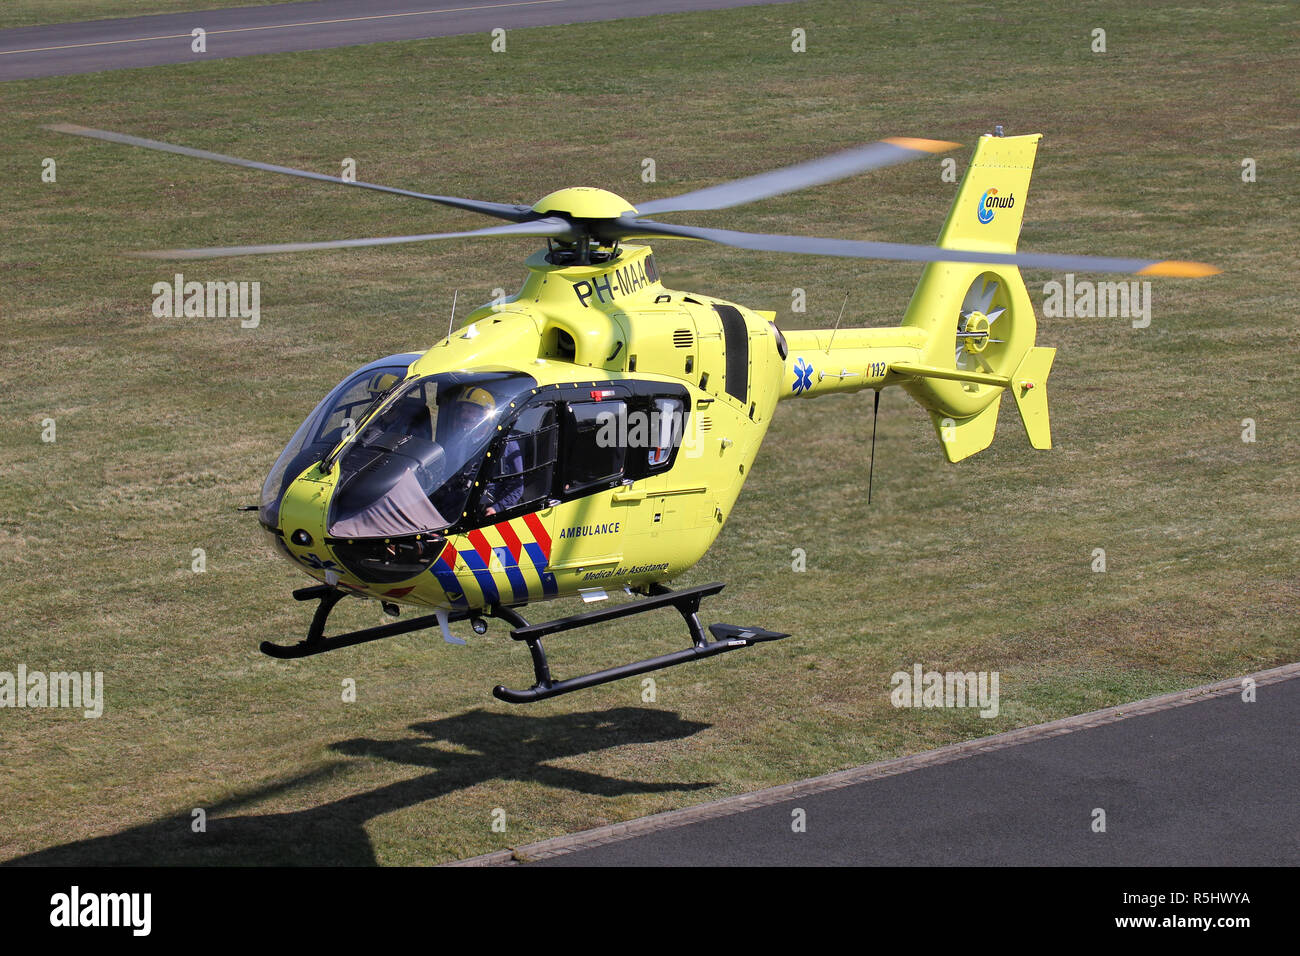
<point>584,202</point>
<point>982,321</point>
<point>976,328</point>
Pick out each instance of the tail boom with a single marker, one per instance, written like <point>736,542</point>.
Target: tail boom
<point>969,332</point>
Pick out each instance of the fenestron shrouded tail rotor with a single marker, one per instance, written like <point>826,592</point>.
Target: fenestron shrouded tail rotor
<point>980,311</point>
<point>570,217</point>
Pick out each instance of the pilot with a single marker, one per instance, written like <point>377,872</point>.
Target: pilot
<point>469,410</point>
<point>503,486</point>
<point>505,490</point>
<point>410,416</point>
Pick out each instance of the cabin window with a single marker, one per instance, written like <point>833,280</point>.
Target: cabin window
<point>666,426</point>
<point>595,445</point>
<point>735,335</point>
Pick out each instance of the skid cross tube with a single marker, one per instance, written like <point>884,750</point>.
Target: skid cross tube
<point>317,643</point>
<point>686,602</point>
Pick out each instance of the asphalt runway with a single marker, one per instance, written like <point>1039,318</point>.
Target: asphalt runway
<point>94,45</point>
<point>1213,781</point>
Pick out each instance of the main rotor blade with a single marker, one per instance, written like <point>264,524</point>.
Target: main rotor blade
<point>850,162</point>
<point>510,211</point>
<point>539,227</point>
<point>901,252</point>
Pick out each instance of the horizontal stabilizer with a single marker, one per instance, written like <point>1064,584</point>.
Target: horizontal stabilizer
<point>951,374</point>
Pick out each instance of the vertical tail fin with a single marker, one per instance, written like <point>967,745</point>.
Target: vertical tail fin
<point>978,319</point>
<point>990,202</point>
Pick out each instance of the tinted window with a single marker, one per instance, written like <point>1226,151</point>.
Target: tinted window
<point>666,429</point>
<point>594,447</point>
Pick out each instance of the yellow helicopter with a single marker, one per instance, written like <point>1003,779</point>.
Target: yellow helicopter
<point>594,431</point>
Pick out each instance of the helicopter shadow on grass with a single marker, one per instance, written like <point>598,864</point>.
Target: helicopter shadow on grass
<point>505,747</point>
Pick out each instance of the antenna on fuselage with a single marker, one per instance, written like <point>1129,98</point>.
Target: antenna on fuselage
<point>451,323</point>
<point>837,323</point>
<point>871,468</point>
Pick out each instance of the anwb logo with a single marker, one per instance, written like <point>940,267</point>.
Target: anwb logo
<point>991,201</point>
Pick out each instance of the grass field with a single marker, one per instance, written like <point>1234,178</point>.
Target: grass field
<point>165,426</point>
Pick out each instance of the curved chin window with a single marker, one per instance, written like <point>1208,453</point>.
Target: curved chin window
<point>411,466</point>
<point>389,561</point>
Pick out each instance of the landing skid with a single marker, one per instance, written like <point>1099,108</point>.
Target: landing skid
<point>727,637</point>
<point>687,602</point>
<point>317,643</point>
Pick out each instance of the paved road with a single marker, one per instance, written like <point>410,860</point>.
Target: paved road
<point>1214,782</point>
<point>148,41</point>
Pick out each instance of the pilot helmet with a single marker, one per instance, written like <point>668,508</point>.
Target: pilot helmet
<point>472,407</point>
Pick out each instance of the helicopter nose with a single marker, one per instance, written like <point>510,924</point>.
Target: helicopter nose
<point>303,510</point>
<point>302,536</point>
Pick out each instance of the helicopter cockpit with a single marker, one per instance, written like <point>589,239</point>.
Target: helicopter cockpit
<point>411,466</point>
<point>411,451</point>
<point>409,461</point>
<point>335,416</point>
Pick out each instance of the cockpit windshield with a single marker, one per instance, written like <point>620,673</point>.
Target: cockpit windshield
<point>329,423</point>
<point>411,467</point>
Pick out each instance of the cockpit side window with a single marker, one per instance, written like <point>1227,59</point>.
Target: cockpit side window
<point>520,470</point>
